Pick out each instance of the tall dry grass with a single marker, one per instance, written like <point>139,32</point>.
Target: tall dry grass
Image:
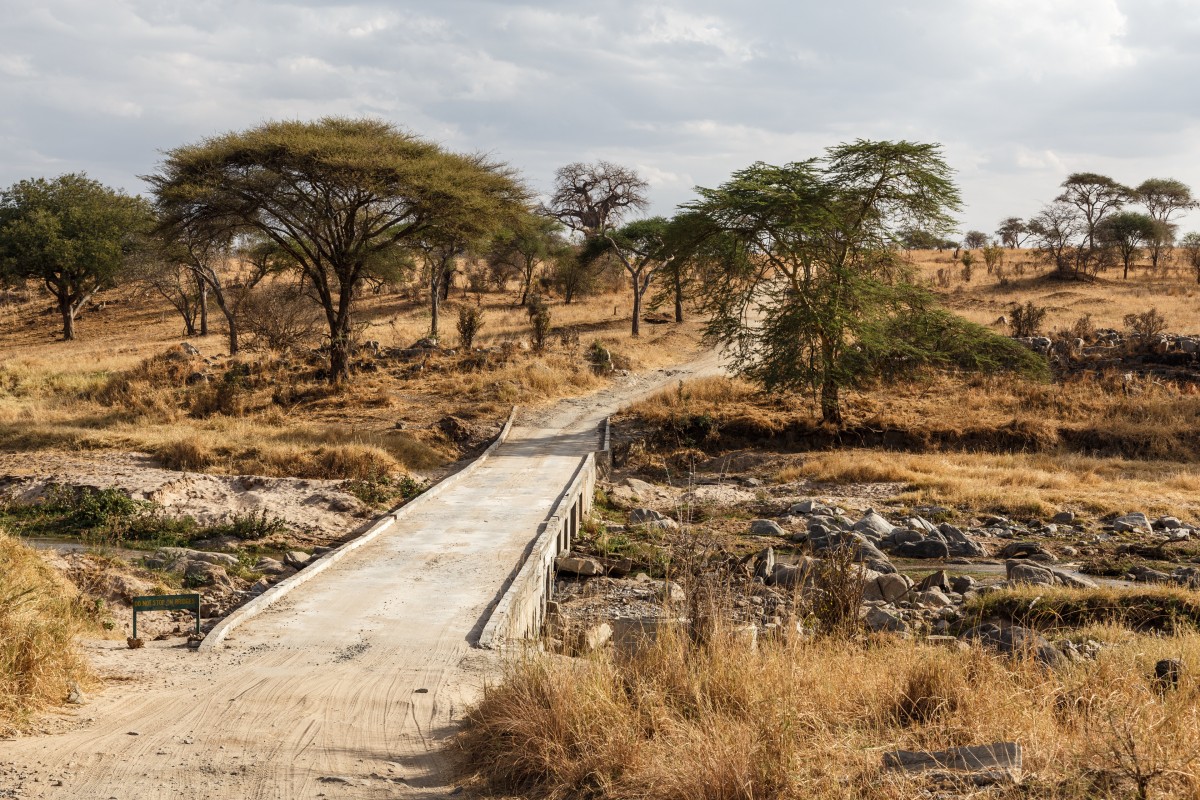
<point>812,720</point>
<point>40,615</point>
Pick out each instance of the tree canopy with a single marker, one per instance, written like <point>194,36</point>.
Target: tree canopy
<point>71,233</point>
<point>334,195</point>
<point>814,295</point>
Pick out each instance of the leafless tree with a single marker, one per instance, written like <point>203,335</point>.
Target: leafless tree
<point>593,198</point>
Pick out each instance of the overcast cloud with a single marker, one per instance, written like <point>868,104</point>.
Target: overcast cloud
<point>1020,92</point>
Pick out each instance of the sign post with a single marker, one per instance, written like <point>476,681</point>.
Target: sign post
<point>166,602</point>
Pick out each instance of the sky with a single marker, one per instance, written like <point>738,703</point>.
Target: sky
<point>1019,92</point>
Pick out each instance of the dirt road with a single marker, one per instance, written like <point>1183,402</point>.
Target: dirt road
<point>347,687</point>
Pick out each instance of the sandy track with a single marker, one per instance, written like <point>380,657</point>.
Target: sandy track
<point>347,687</point>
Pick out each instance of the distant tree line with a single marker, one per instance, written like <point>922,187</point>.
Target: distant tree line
<point>795,267</point>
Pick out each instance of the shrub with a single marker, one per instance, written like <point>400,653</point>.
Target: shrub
<point>470,320</point>
<point>190,454</point>
<point>1146,325</point>
<point>1026,320</point>
<point>40,615</point>
<point>539,321</point>
<point>279,317</point>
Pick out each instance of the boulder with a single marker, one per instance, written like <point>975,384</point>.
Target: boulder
<point>1135,522</point>
<point>1015,641</point>
<point>1024,572</point>
<point>881,620</point>
<point>988,764</point>
<point>652,519</point>
<point>296,558</point>
<point>765,527</point>
<point>1063,518</point>
<point>873,525</point>
<point>889,588</point>
<point>959,544</point>
<point>200,573</point>
<point>932,598</point>
<point>574,565</point>
<point>269,566</point>
<point>1023,550</point>
<point>926,548</point>
<point>935,580</point>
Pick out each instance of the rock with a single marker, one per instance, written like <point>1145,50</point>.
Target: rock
<point>1167,673</point>
<point>792,576</point>
<point>926,548</point>
<point>574,565</point>
<point>641,489</point>
<point>651,519</point>
<point>669,592</point>
<point>1063,518</point>
<point>1023,550</point>
<point>1023,572</point>
<point>904,536</point>
<point>190,349</point>
<point>1167,523</point>
<point>873,525</point>
<point>179,557</point>
<point>297,559</point>
<point>806,507</point>
<point>881,620</point>
<point>765,527</point>
<point>75,695</point>
<point>200,573</point>
<point>269,566</point>
<point>936,580</point>
<point>933,598</point>
<point>1015,641</point>
<point>1135,522</point>
<point>962,584</point>
<point>889,588</point>
<point>1065,578</point>
<point>1144,574</point>
<point>958,543</point>
<point>591,638</point>
<point>987,764</point>
<point>764,564</point>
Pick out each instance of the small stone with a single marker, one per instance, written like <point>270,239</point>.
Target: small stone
<point>1063,518</point>
<point>766,527</point>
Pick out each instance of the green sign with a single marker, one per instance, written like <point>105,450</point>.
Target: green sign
<point>166,602</point>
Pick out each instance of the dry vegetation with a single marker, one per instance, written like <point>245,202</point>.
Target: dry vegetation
<point>812,720</point>
<point>124,385</point>
<point>1172,289</point>
<point>41,613</point>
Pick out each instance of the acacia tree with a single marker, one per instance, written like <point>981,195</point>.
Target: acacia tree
<point>524,245</point>
<point>1096,196</point>
<point>333,196</point>
<point>1127,232</point>
<point>1057,230</point>
<point>641,247</point>
<point>1012,232</point>
<point>814,261</point>
<point>73,234</point>
<point>1163,198</point>
<point>1190,244</point>
<point>975,240</point>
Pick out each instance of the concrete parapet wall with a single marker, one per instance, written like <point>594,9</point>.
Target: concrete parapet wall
<point>522,608</point>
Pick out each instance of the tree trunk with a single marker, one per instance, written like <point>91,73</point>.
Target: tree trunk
<point>339,360</point>
<point>637,305</point>
<point>67,309</point>
<point>831,407</point>
<point>202,299</point>
<point>678,297</point>
<point>435,297</point>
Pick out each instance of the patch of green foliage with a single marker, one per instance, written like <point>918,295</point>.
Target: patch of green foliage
<point>384,491</point>
<point>109,517</point>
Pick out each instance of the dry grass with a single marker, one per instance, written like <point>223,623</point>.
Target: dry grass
<point>1035,484</point>
<point>1173,290</point>
<point>40,615</point>
<point>1169,609</point>
<point>123,386</point>
<point>811,720</point>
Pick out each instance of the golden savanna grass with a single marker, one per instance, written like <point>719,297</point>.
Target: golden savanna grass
<point>981,443</point>
<point>813,719</point>
<point>117,388</point>
<point>1172,289</point>
<point>40,616</point>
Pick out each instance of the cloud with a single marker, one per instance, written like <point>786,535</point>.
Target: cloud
<point>1018,91</point>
